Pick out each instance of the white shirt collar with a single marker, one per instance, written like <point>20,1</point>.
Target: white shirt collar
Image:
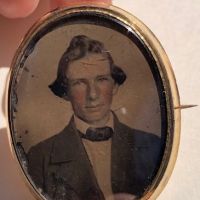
<point>83,126</point>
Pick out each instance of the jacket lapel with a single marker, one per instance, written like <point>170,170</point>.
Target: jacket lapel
<point>63,147</point>
<point>71,163</point>
<point>120,159</point>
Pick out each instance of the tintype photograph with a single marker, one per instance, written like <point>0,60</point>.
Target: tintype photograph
<point>88,114</point>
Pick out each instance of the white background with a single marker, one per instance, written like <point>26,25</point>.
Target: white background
<point>177,25</point>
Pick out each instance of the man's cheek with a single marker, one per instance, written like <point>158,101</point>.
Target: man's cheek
<point>78,99</point>
<point>107,93</point>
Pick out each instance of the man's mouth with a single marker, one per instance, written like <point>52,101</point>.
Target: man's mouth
<point>94,107</point>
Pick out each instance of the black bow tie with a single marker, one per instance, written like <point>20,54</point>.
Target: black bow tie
<point>98,134</point>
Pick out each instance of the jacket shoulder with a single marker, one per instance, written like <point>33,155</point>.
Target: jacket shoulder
<point>39,156</point>
<point>45,146</point>
<point>138,137</point>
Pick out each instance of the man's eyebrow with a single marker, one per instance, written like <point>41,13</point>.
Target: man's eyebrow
<point>78,79</point>
<point>102,75</point>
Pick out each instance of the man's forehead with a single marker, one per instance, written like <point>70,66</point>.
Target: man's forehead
<point>92,64</point>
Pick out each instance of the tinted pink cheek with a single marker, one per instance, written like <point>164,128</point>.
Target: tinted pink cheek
<point>107,93</point>
<point>78,97</point>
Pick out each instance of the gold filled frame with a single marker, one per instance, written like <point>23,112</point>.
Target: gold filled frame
<point>146,43</point>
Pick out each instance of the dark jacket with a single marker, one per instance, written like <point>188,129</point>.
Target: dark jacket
<point>61,168</point>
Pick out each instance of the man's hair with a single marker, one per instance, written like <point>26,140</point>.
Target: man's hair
<point>79,47</point>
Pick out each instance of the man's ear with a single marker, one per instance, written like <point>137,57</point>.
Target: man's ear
<point>115,89</point>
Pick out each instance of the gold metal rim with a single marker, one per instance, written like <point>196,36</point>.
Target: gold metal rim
<point>165,70</point>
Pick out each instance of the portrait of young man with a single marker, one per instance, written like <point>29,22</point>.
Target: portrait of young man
<point>95,157</point>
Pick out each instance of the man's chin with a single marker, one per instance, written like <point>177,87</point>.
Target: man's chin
<point>95,119</point>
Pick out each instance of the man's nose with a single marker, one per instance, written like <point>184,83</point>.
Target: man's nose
<point>93,91</point>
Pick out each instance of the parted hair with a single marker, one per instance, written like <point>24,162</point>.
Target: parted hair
<point>79,47</point>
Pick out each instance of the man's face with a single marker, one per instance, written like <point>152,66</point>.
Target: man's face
<point>91,88</point>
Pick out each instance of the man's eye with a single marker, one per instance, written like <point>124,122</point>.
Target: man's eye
<point>76,83</point>
<point>103,79</point>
